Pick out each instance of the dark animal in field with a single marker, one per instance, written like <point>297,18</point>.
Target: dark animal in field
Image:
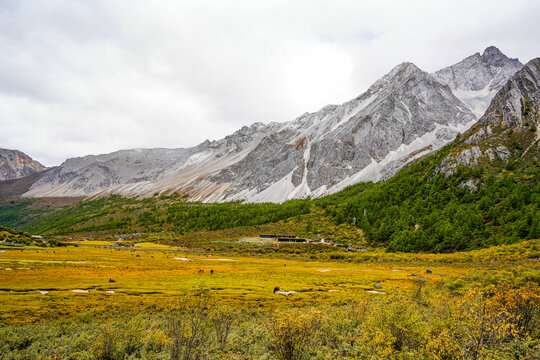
<point>201,271</point>
<point>211,272</point>
<point>112,281</point>
<point>429,271</point>
<point>276,289</point>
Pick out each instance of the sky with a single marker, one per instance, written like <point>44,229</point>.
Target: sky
<point>81,77</point>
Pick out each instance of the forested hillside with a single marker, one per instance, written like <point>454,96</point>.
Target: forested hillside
<point>420,211</point>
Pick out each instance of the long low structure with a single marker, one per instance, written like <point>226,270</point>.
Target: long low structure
<point>291,239</point>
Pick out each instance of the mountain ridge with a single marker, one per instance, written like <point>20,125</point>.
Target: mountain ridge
<point>403,116</point>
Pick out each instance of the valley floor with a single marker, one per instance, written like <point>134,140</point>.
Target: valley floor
<point>149,301</point>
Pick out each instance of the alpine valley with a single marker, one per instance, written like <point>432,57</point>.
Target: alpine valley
<point>402,224</point>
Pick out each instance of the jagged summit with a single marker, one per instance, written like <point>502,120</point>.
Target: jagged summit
<point>493,52</point>
<point>476,79</point>
<point>495,57</point>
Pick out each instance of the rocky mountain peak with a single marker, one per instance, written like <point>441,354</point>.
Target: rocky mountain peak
<point>494,57</point>
<point>509,128</point>
<point>405,67</point>
<point>476,79</point>
<point>493,52</point>
<point>398,74</point>
<point>15,164</point>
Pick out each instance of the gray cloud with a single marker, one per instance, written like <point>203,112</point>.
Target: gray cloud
<point>81,77</point>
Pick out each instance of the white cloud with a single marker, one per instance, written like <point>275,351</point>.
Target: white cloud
<point>80,77</point>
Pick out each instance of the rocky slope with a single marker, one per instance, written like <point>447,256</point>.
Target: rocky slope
<point>403,116</point>
<point>15,164</point>
<point>476,79</point>
<point>509,128</point>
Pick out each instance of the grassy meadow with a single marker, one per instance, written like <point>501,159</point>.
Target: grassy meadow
<point>145,275</point>
<point>156,300</point>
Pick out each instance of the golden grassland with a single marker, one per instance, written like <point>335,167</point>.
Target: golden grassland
<point>152,274</point>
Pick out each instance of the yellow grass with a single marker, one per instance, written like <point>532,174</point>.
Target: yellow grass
<point>151,245</point>
<point>149,275</point>
<point>94,242</point>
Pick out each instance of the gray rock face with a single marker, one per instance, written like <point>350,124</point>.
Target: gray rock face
<point>401,117</point>
<point>15,164</point>
<point>94,173</point>
<point>476,79</point>
<point>512,117</point>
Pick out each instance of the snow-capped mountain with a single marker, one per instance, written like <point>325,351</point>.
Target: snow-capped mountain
<point>401,117</point>
<point>15,164</point>
<point>476,79</point>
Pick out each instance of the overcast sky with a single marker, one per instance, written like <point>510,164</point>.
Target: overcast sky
<point>89,77</point>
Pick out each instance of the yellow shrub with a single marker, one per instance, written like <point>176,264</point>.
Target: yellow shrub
<point>292,333</point>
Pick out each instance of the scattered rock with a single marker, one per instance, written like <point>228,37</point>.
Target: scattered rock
<point>286,293</point>
<point>376,292</point>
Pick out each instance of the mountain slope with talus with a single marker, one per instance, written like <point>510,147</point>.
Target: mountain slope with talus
<point>403,116</point>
